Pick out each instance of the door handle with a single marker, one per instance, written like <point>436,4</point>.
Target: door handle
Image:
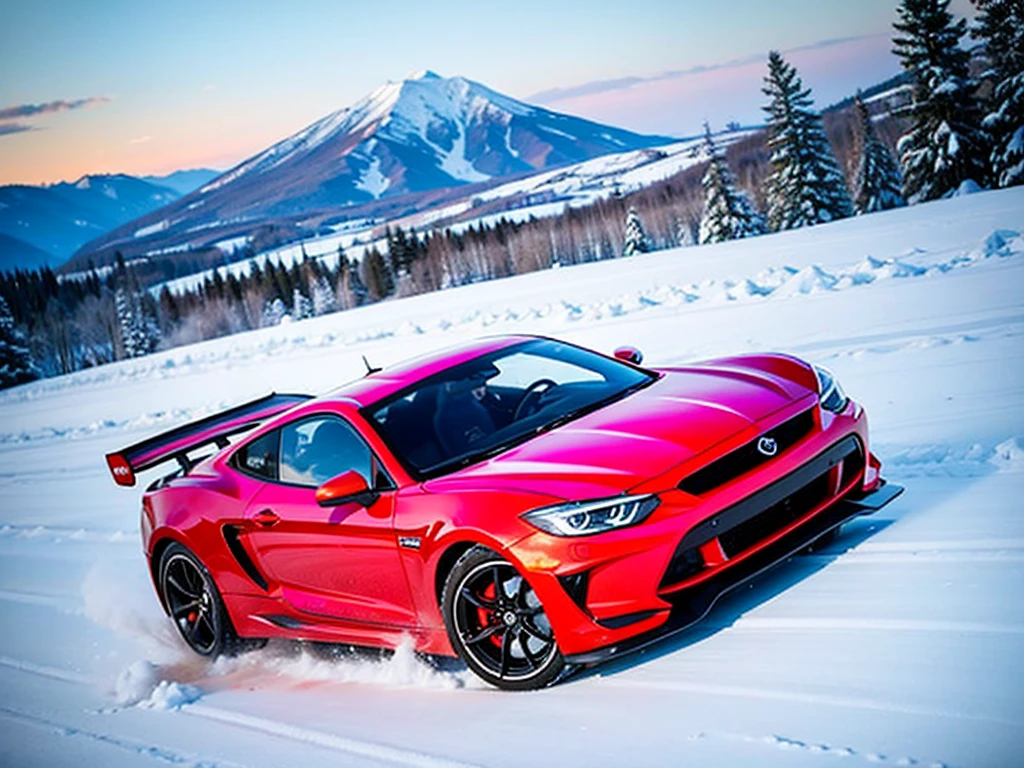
<point>266,518</point>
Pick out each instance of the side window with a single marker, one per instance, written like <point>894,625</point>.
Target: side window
<point>260,457</point>
<point>316,449</point>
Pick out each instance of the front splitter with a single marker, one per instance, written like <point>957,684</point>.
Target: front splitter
<point>691,605</point>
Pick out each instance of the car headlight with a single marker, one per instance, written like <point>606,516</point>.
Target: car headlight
<point>830,393</point>
<point>583,518</point>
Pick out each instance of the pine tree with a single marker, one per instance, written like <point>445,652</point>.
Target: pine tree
<point>684,233</point>
<point>945,146</point>
<point>16,366</point>
<point>636,238</point>
<point>805,185</point>
<point>379,282</point>
<point>878,182</point>
<point>728,212</point>
<point>136,314</point>
<point>301,306</point>
<point>1000,28</point>
<point>323,298</point>
<point>274,312</point>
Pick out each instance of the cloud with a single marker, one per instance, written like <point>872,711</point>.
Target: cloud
<point>555,95</point>
<point>6,129</point>
<point>49,108</point>
<point>140,140</point>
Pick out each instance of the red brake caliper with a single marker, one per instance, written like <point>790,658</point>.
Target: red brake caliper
<point>486,617</point>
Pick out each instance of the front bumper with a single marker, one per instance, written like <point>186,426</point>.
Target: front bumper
<point>613,592</point>
<point>690,605</point>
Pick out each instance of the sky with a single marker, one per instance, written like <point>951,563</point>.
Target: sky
<point>148,88</point>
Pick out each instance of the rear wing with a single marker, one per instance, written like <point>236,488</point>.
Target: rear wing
<point>214,429</point>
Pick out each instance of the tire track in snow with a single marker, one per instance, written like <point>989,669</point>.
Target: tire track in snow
<point>813,699</point>
<point>142,749</point>
<point>343,744</point>
<point>46,601</point>
<point>817,748</point>
<point>53,673</point>
<point>800,624</point>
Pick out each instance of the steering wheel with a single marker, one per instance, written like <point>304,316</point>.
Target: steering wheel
<point>533,393</point>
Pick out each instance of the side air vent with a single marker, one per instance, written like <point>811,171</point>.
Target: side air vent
<point>231,536</point>
<point>576,587</point>
<point>747,457</point>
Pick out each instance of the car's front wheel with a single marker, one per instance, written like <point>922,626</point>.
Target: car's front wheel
<point>497,624</point>
<point>195,605</point>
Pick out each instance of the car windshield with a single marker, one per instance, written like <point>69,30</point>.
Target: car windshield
<point>482,407</point>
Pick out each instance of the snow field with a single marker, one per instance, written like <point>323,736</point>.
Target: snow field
<point>897,645</point>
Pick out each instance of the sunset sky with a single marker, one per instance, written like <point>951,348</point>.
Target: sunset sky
<point>148,88</point>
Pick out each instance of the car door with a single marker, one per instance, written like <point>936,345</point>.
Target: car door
<point>340,561</point>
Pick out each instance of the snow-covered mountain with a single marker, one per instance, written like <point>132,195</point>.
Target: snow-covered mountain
<point>47,224</point>
<point>185,181</point>
<point>419,134</point>
<point>424,133</point>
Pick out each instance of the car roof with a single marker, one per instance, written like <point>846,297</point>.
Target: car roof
<point>377,386</point>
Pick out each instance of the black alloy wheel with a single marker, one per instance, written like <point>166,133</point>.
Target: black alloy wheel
<point>497,624</point>
<point>195,605</point>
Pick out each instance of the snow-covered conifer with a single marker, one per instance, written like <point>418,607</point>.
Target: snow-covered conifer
<point>136,313</point>
<point>945,145</point>
<point>878,182</point>
<point>140,333</point>
<point>301,306</point>
<point>274,312</point>
<point>16,366</point>
<point>324,301</point>
<point>1000,28</point>
<point>636,237</point>
<point>805,185</point>
<point>728,212</point>
<point>684,233</point>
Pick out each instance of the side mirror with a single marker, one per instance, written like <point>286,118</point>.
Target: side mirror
<point>346,487</point>
<point>629,355</point>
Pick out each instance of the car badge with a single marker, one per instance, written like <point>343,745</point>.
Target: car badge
<point>768,446</point>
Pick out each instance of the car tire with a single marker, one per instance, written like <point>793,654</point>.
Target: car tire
<point>196,607</point>
<point>497,625</point>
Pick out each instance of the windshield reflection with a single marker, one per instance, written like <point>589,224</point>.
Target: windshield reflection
<point>483,407</point>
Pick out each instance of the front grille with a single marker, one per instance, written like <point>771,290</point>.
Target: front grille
<point>766,512</point>
<point>775,518</point>
<point>747,457</point>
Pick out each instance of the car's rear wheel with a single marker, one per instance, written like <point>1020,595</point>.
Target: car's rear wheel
<point>497,624</point>
<point>195,606</point>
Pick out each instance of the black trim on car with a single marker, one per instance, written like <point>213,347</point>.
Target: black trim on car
<point>691,604</point>
<point>232,536</point>
<point>747,456</point>
<point>770,509</point>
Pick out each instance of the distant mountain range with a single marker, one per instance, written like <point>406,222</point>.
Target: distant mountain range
<point>45,225</point>
<point>184,182</point>
<point>423,134</point>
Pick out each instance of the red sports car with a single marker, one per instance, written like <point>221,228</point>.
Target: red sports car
<point>520,502</point>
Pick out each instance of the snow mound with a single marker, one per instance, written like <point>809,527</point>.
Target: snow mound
<point>810,279</point>
<point>967,187</point>
<point>952,460</point>
<point>141,685</point>
<point>1009,455</point>
<point>1002,243</point>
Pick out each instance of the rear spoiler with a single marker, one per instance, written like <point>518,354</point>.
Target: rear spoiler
<point>215,429</point>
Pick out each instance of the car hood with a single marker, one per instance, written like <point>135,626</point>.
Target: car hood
<point>644,435</point>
